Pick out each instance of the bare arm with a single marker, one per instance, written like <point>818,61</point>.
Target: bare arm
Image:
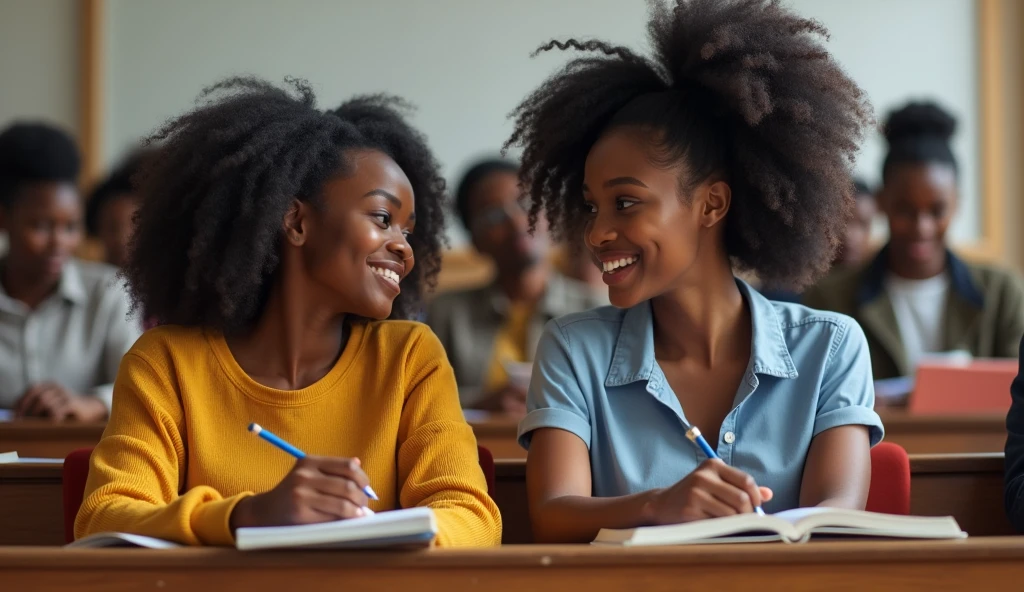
<point>837,473</point>
<point>562,509</point>
<point>558,485</point>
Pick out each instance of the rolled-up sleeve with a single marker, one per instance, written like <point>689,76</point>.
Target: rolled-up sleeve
<point>847,395</point>
<point>555,399</point>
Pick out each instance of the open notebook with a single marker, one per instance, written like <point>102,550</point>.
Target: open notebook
<point>791,526</point>
<point>411,528</point>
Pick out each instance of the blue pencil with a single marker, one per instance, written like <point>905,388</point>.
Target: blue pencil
<point>695,436</point>
<point>276,441</point>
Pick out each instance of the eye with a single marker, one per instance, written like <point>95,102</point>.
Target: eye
<point>407,234</point>
<point>589,207</point>
<point>622,203</point>
<point>384,218</point>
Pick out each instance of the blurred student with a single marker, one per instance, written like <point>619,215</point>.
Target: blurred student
<point>110,208</point>
<point>487,330</point>
<point>273,251</point>
<point>64,323</point>
<point>917,296</point>
<point>855,247</point>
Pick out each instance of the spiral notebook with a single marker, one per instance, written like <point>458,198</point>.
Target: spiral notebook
<point>791,526</point>
<point>406,529</point>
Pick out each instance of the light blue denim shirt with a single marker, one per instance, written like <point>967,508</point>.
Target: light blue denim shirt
<point>595,376</point>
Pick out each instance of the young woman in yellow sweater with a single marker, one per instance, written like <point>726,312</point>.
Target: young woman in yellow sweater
<point>270,236</point>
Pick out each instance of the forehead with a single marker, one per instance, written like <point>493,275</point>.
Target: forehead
<point>924,178</point>
<point>496,187</point>
<point>370,170</point>
<point>40,196</point>
<point>625,152</point>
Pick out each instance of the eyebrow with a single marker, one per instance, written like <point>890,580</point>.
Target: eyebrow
<point>624,181</point>
<point>381,193</point>
<point>391,198</point>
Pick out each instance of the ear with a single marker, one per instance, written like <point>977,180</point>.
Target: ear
<point>294,224</point>
<point>717,197</point>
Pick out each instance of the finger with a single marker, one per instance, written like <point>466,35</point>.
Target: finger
<point>339,487</point>
<point>727,493</point>
<point>766,494</point>
<point>708,505</point>
<point>740,480</point>
<point>340,467</point>
<point>336,508</point>
<point>41,404</point>
<point>28,399</point>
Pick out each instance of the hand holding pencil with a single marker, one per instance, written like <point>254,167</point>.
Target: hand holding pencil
<point>317,489</point>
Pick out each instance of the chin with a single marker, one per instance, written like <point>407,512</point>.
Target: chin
<point>624,298</point>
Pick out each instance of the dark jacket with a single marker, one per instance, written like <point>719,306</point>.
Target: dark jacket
<point>1014,491</point>
<point>984,312</point>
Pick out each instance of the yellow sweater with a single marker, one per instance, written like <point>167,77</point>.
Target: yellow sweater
<point>176,455</point>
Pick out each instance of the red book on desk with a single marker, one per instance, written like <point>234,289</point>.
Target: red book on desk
<point>978,386</point>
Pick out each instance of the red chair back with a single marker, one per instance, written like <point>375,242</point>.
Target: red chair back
<point>487,464</point>
<point>76,471</point>
<point>890,480</point>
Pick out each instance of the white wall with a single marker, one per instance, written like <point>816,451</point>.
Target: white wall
<point>466,62</point>
<point>38,67</point>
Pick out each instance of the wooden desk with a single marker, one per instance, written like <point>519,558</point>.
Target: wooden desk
<point>917,434</point>
<point>968,487</point>
<point>45,439</point>
<point>984,563</point>
<point>944,434</point>
<point>497,433</point>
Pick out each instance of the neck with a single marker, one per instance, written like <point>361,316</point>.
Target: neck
<point>294,343</point>
<point>524,285</point>
<point>706,320</point>
<point>28,288</point>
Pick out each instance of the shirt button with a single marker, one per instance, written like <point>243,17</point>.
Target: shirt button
<point>730,437</point>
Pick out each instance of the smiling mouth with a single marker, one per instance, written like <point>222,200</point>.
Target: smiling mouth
<point>612,266</point>
<point>387,275</point>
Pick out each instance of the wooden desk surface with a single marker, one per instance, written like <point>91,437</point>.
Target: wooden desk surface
<point>918,434</point>
<point>982,563</point>
<point>44,439</point>
<point>968,487</point>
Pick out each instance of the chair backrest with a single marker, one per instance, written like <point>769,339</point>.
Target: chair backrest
<point>76,470</point>
<point>487,464</point>
<point>890,480</point>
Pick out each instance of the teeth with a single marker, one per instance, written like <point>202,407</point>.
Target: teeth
<point>387,273</point>
<point>609,266</point>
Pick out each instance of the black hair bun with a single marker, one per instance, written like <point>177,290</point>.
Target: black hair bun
<point>917,120</point>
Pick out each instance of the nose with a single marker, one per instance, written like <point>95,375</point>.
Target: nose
<point>399,245</point>
<point>924,225</point>
<point>600,231</point>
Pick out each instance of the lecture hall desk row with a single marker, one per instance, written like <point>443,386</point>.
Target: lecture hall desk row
<point>918,434</point>
<point>968,487</point>
<point>971,564</point>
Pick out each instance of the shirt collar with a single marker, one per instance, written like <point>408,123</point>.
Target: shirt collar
<point>633,359</point>
<point>959,274</point>
<point>71,287</point>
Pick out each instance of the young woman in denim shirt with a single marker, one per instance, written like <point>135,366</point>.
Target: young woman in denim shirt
<point>729,148</point>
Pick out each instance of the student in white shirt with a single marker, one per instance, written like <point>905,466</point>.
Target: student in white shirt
<point>63,323</point>
<point>917,297</point>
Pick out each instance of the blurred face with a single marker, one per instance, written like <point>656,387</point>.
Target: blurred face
<point>115,227</point>
<point>856,241</point>
<point>354,246</point>
<point>642,233</point>
<point>920,201</point>
<point>44,226</point>
<point>499,226</point>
